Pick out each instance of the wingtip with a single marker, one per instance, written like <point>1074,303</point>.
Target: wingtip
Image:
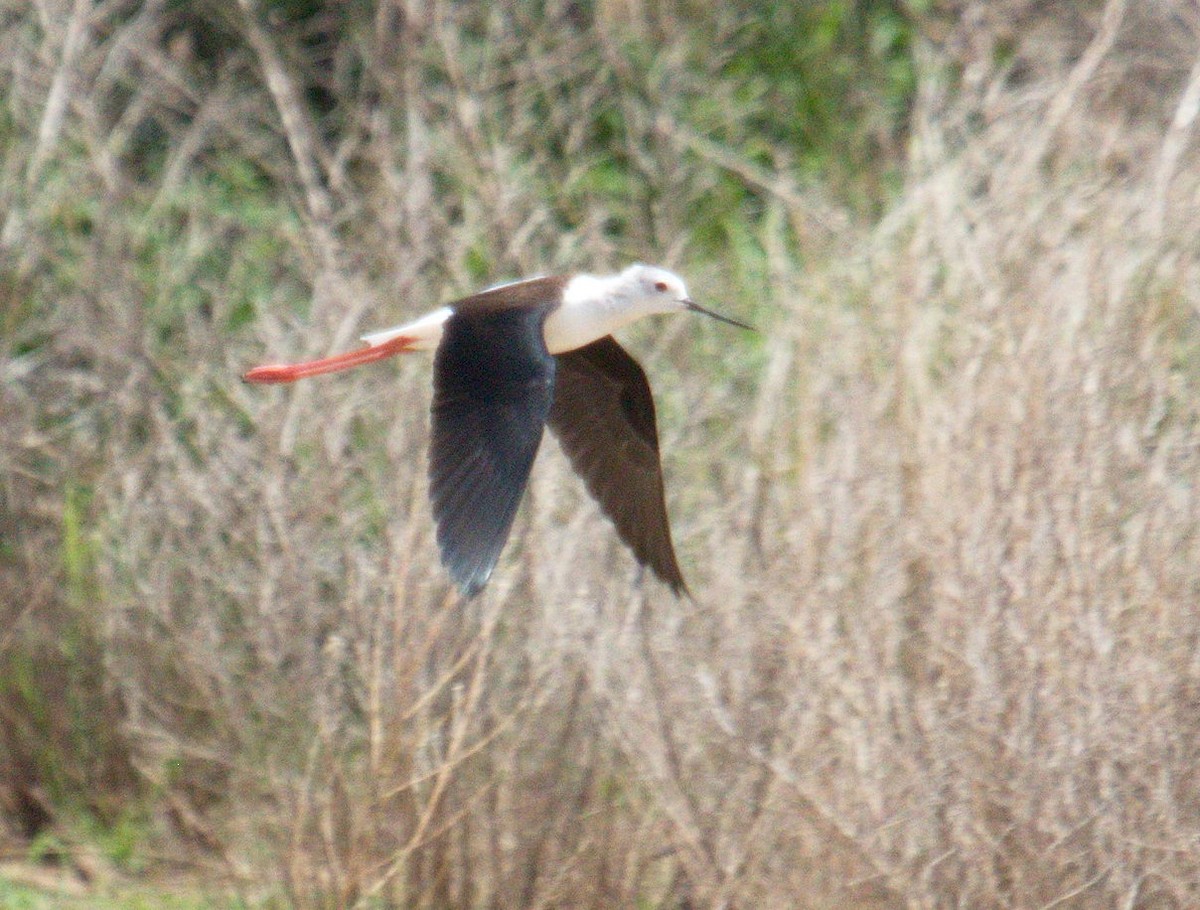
<point>470,580</point>
<point>472,588</point>
<point>678,586</point>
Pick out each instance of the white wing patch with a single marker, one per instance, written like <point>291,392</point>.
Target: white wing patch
<point>427,331</point>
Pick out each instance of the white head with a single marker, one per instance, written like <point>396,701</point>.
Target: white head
<point>594,306</point>
<point>647,289</point>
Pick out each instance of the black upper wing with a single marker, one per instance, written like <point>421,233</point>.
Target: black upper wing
<point>492,385</point>
<point>603,415</point>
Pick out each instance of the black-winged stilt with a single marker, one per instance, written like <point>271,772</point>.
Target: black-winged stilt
<point>510,360</point>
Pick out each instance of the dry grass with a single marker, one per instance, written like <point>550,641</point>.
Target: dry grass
<point>942,517</point>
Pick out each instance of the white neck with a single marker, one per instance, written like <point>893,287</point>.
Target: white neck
<point>592,307</point>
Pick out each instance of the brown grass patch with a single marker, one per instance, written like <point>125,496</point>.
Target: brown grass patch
<point>941,518</point>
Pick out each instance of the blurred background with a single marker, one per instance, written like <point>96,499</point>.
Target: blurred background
<point>940,516</point>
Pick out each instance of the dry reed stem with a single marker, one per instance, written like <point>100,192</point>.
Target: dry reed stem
<point>941,518</point>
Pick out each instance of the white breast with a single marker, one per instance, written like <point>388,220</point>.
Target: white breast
<point>588,312</point>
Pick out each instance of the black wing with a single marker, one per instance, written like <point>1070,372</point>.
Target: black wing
<point>492,385</point>
<point>603,415</point>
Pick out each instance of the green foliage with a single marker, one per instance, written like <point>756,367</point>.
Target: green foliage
<point>123,839</point>
<point>829,83</point>
<point>79,553</point>
<point>225,227</point>
<point>16,896</point>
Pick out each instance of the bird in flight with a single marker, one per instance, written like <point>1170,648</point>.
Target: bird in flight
<point>509,361</point>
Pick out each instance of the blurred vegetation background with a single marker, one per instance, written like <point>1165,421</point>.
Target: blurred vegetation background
<point>941,515</point>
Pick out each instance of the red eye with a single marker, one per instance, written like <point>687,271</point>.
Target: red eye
<point>660,286</point>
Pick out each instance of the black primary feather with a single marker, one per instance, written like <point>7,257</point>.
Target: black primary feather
<point>493,382</point>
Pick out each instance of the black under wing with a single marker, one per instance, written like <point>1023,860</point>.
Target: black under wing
<point>493,383</point>
<point>603,416</point>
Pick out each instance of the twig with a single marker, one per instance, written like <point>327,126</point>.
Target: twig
<point>1173,145</point>
<point>299,132</point>
<point>53,114</point>
<point>1067,98</point>
<point>57,98</point>
<point>802,207</point>
<point>699,835</point>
